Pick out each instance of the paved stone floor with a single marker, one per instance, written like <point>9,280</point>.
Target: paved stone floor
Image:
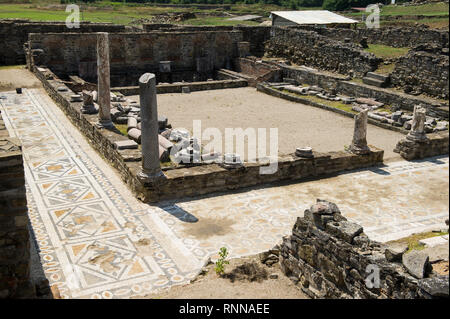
<point>96,241</point>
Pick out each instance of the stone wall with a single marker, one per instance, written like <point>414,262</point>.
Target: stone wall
<point>328,257</point>
<point>132,54</point>
<point>256,35</point>
<point>391,36</point>
<point>14,33</point>
<point>257,70</point>
<point>14,237</point>
<point>202,179</point>
<point>424,69</point>
<point>342,85</point>
<point>308,48</point>
<point>436,144</point>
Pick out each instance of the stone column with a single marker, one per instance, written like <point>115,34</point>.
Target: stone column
<point>359,143</point>
<point>104,96</point>
<point>417,132</point>
<point>151,168</point>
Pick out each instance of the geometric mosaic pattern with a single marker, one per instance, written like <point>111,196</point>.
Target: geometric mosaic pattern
<point>97,241</point>
<point>90,240</point>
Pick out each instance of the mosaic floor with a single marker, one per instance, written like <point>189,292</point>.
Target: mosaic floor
<point>97,241</point>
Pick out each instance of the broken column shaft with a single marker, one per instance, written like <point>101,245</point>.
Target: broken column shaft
<point>417,132</point>
<point>151,168</point>
<point>103,81</point>
<point>359,143</point>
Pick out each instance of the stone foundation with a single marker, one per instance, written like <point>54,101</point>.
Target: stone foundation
<point>14,237</point>
<point>202,179</point>
<point>342,85</point>
<point>330,257</point>
<point>436,144</point>
<point>311,49</point>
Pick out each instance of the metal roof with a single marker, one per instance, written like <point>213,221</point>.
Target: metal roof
<point>312,17</point>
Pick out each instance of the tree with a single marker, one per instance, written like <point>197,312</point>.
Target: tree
<point>336,5</point>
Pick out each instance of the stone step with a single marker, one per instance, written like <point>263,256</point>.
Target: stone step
<point>374,82</point>
<point>377,76</point>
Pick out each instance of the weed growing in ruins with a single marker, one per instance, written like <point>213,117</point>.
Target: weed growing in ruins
<point>221,262</point>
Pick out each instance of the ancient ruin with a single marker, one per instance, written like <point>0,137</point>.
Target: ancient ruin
<point>141,150</point>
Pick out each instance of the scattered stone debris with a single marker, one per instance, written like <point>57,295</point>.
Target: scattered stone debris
<point>249,271</point>
<point>417,263</point>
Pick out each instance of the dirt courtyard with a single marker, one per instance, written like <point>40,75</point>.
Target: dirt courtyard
<point>298,125</point>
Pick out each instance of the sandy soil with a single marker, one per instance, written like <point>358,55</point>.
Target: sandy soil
<point>212,286</point>
<point>298,125</point>
<point>12,78</point>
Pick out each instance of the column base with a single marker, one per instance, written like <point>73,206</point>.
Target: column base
<point>104,124</point>
<point>359,150</point>
<point>416,137</point>
<point>148,177</point>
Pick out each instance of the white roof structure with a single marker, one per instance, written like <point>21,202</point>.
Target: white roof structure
<point>312,17</point>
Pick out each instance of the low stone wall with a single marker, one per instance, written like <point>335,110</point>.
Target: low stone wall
<point>436,144</point>
<point>311,49</point>
<point>14,237</point>
<point>392,36</point>
<point>193,86</point>
<point>423,69</point>
<point>330,257</point>
<point>342,85</point>
<point>202,179</point>
<point>257,70</point>
<point>298,99</point>
<point>14,33</point>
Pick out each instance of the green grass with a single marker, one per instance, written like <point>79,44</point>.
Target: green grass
<point>122,128</point>
<point>429,9</point>
<point>119,12</point>
<point>216,21</point>
<point>384,51</point>
<point>425,9</point>
<point>385,68</point>
<point>334,104</point>
<point>413,240</point>
<point>8,67</point>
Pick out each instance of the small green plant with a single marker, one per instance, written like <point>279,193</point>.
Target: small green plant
<point>221,262</point>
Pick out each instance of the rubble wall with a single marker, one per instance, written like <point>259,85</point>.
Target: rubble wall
<point>423,69</point>
<point>391,36</point>
<point>308,48</point>
<point>330,257</point>
<point>14,237</point>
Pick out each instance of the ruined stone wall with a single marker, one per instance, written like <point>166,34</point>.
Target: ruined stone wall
<point>256,35</point>
<point>311,49</point>
<point>343,86</point>
<point>424,69</point>
<point>133,54</point>
<point>391,36</point>
<point>14,236</point>
<point>328,257</point>
<point>435,144</point>
<point>203,179</point>
<point>14,33</point>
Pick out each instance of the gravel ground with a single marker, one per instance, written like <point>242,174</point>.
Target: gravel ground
<point>298,125</point>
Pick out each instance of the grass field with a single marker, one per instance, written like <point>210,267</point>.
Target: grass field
<point>127,13</point>
<point>118,12</point>
<point>384,51</point>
